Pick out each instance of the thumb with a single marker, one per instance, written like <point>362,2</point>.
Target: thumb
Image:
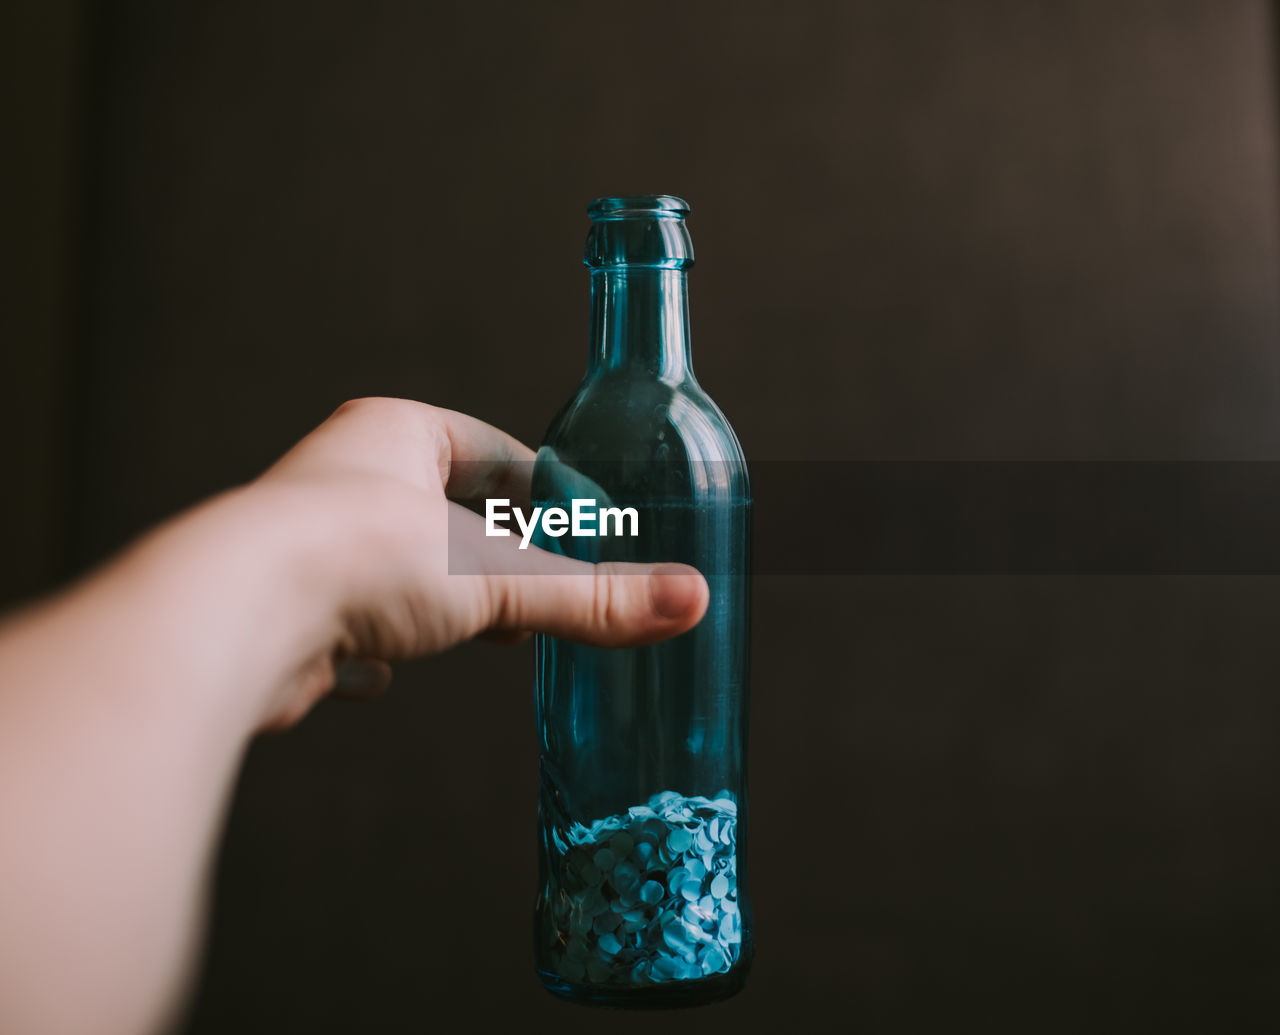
<point>605,605</point>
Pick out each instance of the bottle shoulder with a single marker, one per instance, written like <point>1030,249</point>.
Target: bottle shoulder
<point>616,419</point>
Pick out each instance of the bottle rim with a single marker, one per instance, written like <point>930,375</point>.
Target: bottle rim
<point>661,206</point>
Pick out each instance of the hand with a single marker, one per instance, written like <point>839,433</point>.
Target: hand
<point>367,499</point>
<point>127,700</point>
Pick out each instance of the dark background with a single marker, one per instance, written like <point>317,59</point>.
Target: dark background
<point>925,230</point>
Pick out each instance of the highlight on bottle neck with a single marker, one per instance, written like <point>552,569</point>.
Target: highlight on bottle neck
<point>642,230</point>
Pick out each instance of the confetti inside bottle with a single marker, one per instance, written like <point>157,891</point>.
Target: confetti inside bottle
<point>642,805</point>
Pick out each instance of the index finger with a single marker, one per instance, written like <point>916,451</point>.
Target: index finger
<point>482,460</point>
<point>427,446</point>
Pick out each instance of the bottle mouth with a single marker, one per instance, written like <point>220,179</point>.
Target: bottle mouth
<point>639,230</point>
<point>660,206</point>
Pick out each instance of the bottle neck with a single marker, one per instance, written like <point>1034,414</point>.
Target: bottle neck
<point>640,321</point>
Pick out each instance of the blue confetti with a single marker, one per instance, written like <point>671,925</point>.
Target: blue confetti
<point>646,896</point>
<point>653,830</point>
<point>665,968</point>
<point>625,876</point>
<point>652,892</point>
<point>675,937</point>
<point>609,921</point>
<point>693,916</point>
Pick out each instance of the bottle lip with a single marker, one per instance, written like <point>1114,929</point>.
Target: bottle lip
<point>661,206</point>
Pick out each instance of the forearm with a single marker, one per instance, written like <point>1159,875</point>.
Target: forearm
<point>125,706</point>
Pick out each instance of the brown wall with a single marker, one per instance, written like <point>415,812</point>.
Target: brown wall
<point>42,50</point>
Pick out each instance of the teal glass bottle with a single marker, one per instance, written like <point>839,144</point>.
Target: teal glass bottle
<point>643,896</point>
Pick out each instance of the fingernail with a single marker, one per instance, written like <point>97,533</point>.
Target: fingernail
<point>673,590</point>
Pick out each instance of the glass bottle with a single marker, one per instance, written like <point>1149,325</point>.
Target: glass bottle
<point>642,803</point>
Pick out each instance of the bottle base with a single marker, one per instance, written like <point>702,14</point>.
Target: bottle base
<point>668,996</point>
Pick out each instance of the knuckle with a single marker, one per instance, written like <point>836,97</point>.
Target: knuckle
<point>504,604</point>
<point>362,405</point>
<point>407,418</point>
<point>604,598</point>
<point>388,409</point>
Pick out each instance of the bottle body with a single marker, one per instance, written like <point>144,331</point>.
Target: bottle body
<point>643,801</point>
